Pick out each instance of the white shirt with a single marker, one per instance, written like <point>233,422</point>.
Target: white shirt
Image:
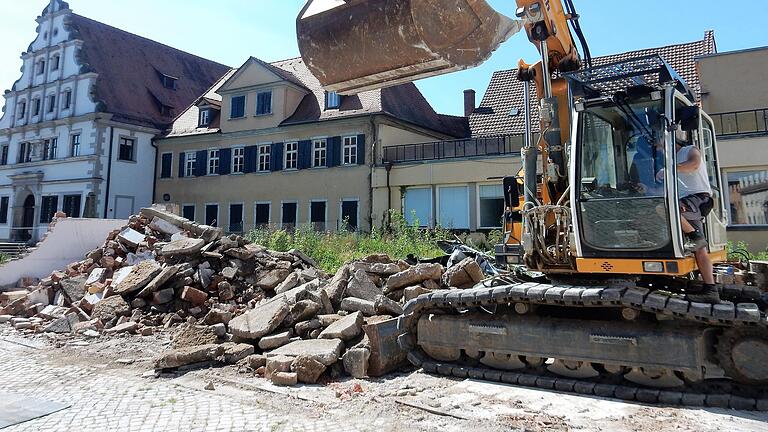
<point>695,182</point>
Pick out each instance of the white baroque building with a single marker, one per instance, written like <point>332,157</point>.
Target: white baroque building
<point>77,129</point>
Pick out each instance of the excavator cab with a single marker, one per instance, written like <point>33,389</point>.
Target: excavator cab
<point>357,45</point>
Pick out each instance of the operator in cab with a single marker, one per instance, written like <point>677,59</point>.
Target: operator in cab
<point>695,204</point>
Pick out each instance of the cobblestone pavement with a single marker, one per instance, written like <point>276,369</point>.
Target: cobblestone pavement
<point>110,400</point>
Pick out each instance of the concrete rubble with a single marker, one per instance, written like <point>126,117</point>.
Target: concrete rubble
<point>223,300</point>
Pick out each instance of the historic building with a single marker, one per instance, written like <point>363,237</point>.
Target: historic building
<point>77,128</point>
<point>267,146</point>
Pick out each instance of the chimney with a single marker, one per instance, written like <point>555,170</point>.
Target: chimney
<point>469,102</point>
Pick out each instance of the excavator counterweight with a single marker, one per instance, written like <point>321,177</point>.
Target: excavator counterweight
<point>358,45</point>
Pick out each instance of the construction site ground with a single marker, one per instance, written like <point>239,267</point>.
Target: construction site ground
<point>109,384</point>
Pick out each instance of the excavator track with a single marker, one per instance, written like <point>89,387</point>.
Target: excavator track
<point>739,343</point>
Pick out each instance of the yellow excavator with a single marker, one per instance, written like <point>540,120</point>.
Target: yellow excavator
<point>609,303</point>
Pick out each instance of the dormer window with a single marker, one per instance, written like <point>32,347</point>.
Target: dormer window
<point>332,100</point>
<point>264,103</point>
<point>237,107</point>
<point>55,60</point>
<point>165,109</point>
<point>168,81</point>
<point>205,117</point>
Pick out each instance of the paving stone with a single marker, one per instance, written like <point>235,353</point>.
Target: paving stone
<point>142,274</point>
<point>256,361</point>
<point>308,370</point>
<point>261,320</point>
<point>345,329</point>
<point>326,351</point>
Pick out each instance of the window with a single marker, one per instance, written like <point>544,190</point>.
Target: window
<point>332,100</point>
<point>188,211</point>
<point>75,141</point>
<point>25,153</point>
<point>291,155</point>
<point>289,215</point>
<point>491,206</point>
<point>236,218</point>
<point>211,214</point>
<point>349,215</point>
<point>320,153</point>
<point>264,157</point>
<point>262,213</point>
<point>4,155</point>
<point>51,103</point>
<point>213,162</point>
<point>190,161</point>
<point>205,117</point>
<point>417,206</point>
<point>22,109</point>
<point>317,215</point>
<point>55,60</point>
<point>166,160</point>
<point>67,99</point>
<point>36,106</point>
<point>350,150</point>
<point>71,205</point>
<point>238,107</point>
<point>238,160</point>
<point>4,210</point>
<point>169,82</point>
<point>453,207</point>
<point>126,152</point>
<point>49,148</point>
<point>41,67</point>
<point>264,103</point>
<point>748,197</point>
<point>48,208</point>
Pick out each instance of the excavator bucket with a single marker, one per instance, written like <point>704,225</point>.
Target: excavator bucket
<point>358,45</point>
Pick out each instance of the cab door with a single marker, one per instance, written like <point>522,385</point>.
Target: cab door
<point>717,221</point>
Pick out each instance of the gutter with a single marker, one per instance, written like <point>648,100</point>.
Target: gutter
<point>109,170</point>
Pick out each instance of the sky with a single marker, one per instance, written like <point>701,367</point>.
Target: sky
<point>229,31</point>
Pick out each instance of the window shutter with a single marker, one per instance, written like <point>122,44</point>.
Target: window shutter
<point>361,149</point>
<point>277,157</point>
<point>165,165</point>
<point>334,152</point>
<point>201,164</point>
<point>182,163</point>
<point>225,161</point>
<point>251,158</point>
<point>305,154</point>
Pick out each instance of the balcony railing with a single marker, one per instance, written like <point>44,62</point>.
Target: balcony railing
<point>741,122</point>
<point>463,148</point>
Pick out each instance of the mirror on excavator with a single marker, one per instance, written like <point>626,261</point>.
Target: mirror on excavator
<point>357,45</point>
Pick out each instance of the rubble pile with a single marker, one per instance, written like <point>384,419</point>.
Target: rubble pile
<point>227,301</point>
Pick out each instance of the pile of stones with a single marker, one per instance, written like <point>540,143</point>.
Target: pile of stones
<point>224,300</point>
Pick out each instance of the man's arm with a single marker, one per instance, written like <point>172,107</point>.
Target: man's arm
<point>693,162</point>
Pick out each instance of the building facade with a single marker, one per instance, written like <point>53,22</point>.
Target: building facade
<point>458,184</point>
<point>266,146</point>
<point>735,94</point>
<point>77,127</point>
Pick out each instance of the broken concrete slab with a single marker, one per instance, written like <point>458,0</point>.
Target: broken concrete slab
<point>74,288</point>
<point>355,362</point>
<point>189,355</point>
<point>120,274</point>
<point>284,378</point>
<point>131,237</point>
<point>234,352</point>
<point>326,351</point>
<point>194,335</point>
<point>308,370</point>
<point>465,274</point>
<point>111,307</point>
<point>414,276</point>
<point>302,311</point>
<point>193,295</point>
<point>59,325</point>
<point>269,280</point>
<point>261,320</point>
<point>164,226</point>
<point>289,283</point>
<point>361,286</point>
<point>386,306</point>
<point>276,340</point>
<point>127,327</point>
<point>352,304</point>
<point>141,275</point>
<point>183,246</point>
<point>338,285</point>
<point>346,328</point>
<point>278,363</point>
<point>159,280</point>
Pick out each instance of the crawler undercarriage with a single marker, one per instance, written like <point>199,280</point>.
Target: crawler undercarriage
<point>630,343</point>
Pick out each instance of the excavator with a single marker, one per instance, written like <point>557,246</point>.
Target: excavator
<point>598,302</point>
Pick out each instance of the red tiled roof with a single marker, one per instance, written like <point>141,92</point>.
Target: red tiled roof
<point>129,69</point>
<point>505,92</point>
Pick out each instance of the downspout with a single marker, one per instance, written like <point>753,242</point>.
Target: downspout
<point>388,167</point>
<point>109,171</point>
<point>154,169</point>
<point>374,138</point>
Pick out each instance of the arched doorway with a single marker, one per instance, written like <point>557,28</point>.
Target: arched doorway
<point>27,218</point>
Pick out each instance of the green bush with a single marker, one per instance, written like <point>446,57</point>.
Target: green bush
<point>3,258</point>
<point>332,250</point>
<point>740,251</point>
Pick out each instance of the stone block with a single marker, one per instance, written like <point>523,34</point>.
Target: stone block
<point>270,279</point>
<point>74,288</point>
<point>414,276</point>
<point>465,274</point>
<point>351,304</point>
<point>110,308</point>
<point>193,295</point>
<point>308,370</point>
<point>361,286</point>
<point>290,282</point>
<point>386,306</point>
<point>326,351</point>
<point>234,352</point>
<point>279,363</point>
<point>138,278</point>
<point>163,296</point>
<point>189,355</point>
<point>345,329</point>
<point>127,327</point>
<point>275,341</point>
<point>284,378</point>
<point>261,320</point>
<point>355,362</point>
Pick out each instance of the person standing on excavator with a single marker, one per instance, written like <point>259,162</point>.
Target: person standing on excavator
<point>695,204</point>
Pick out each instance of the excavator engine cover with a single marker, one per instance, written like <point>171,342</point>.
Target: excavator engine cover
<point>357,45</point>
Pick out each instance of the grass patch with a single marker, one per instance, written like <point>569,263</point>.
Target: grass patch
<point>332,250</point>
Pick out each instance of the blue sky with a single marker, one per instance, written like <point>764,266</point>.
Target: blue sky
<point>228,31</point>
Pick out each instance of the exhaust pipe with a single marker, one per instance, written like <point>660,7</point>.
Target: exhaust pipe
<point>357,45</point>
